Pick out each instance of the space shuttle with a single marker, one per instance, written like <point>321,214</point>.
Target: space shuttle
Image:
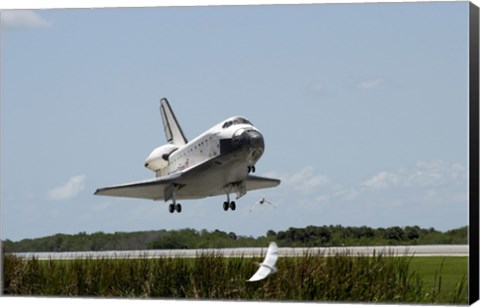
<point>220,161</point>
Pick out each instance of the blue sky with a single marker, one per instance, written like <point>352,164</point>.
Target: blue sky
<point>363,107</point>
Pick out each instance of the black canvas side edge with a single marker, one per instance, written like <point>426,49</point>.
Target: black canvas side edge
<point>473,260</point>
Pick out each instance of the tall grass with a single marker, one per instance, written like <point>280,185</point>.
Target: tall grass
<point>313,277</point>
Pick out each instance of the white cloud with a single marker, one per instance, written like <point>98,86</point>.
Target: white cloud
<point>369,84</point>
<point>435,173</point>
<point>346,194</point>
<point>306,180</point>
<point>22,20</point>
<point>423,174</point>
<point>69,190</point>
<point>322,199</point>
<point>382,180</point>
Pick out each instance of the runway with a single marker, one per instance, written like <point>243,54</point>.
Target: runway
<point>417,251</point>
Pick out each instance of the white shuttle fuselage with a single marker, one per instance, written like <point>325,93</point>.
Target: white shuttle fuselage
<point>235,136</point>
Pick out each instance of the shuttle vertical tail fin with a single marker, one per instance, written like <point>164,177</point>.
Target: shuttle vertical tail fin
<point>173,131</point>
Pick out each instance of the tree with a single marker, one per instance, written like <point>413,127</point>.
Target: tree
<point>412,233</point>
<point>232,235</point>
<point>394,233</point>
<point>166,242</point>
<point>271,233</point>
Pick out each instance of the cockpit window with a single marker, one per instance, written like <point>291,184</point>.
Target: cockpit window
<point>236,121</point>
<point>227,124</point>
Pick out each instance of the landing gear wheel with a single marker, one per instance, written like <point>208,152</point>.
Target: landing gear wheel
<point>232,206</point>
<point>171,208</point>
<point>251,169</point>
<point>225,206</point>
<point>178,207</point>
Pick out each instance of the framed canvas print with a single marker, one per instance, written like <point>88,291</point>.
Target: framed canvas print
<point>274,152</point>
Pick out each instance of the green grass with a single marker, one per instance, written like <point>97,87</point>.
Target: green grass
<point>343,277</point>
<point>444,278</point>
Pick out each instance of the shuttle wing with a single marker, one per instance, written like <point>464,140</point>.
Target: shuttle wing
<point>148,189</point>
<point>256,182</point>
<point>156,189</point>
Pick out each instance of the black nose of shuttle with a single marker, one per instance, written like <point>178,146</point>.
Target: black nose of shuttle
<point>244,139</point>
<point>251,138</point>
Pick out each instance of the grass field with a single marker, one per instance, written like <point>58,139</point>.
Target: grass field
<point>445,277</point>
<point>312,277</point>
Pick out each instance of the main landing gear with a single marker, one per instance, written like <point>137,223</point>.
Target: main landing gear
<point>251,169</point>
<point>171,193</point>
<point>227,205</point>
<point>174,207</point>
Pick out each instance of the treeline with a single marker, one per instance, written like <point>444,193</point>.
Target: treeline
<point>357,236</point>
<point>310,236</point>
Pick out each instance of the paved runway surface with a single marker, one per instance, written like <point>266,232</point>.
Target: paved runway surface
<point>418,250</point>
